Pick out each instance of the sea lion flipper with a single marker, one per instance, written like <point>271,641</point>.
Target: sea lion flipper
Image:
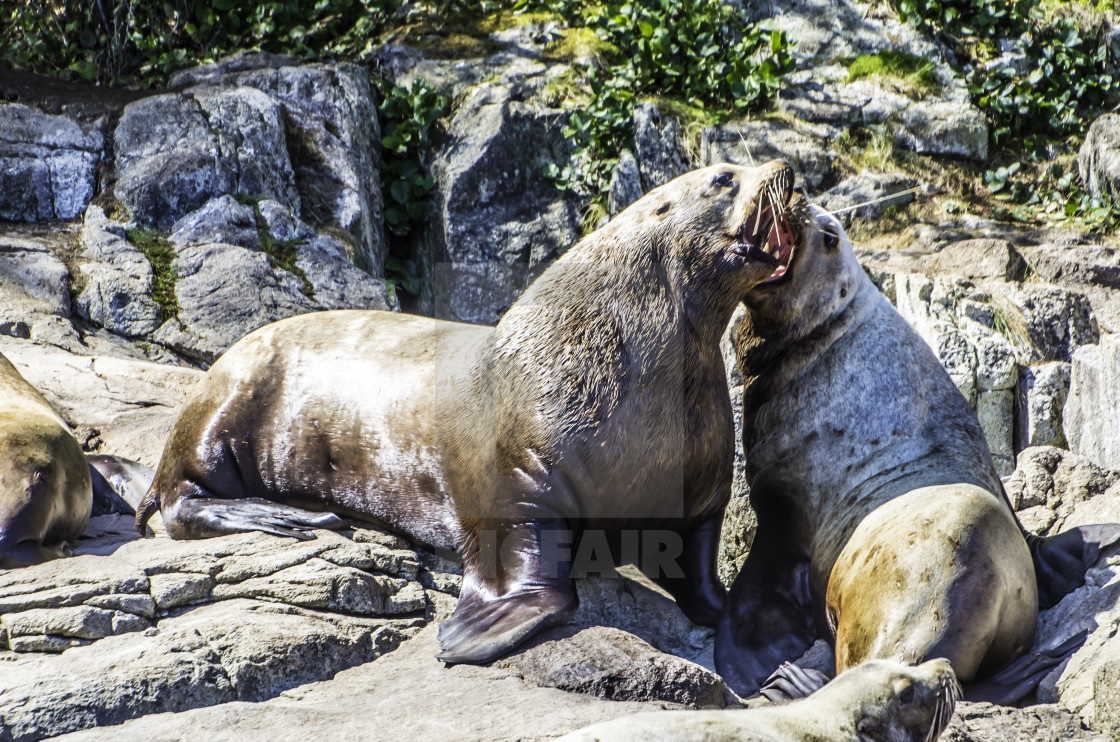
<point>767,619</point>
<point>698,591</point>
<point>1060,561</point>
<point>790,682</point>
<point>203,517</point>
<point>512,587</point>
<point>1011,684</point>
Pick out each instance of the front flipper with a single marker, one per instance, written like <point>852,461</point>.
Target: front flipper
<point>205,517</point>
<point>513,586</point>
<point>767,619</point>
<point>698,591</point>
<point>1060,562</point>
<point>1011,684</point>
<point>791,682</point>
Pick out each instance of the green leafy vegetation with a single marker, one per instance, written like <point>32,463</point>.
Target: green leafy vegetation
<point>1039,98</point>
<point>701,53</point>
<point>159,253</point>
<point>407,115</point>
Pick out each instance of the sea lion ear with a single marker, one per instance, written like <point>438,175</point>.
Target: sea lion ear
<point>663,209</point>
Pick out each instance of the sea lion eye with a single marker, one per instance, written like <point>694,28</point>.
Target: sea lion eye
<point>662,209</point>
<point>723,180</point>
<point>831,240</point>
<point>907,695</point>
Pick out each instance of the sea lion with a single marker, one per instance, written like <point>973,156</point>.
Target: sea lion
<point>882,523</point>
<point>599,402</point>
<point>45,494</point>
<point>880,700</point>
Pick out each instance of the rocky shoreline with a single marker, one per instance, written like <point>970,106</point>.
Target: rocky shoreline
<point>141,235</point>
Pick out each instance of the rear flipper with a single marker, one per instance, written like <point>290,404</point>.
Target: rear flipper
<point>205,517</point>
<point>791,682</point>
<point>119,484</point>
<point>1060,562</point>
<point>696,587</point>
<point>1011,684</point>
<point>508,597</point>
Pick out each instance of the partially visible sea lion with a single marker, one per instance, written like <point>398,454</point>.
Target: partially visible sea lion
<point>880,700</point>
<point>119,484</point>
<point>882,523</point>
<point>45,494</point>
<point>599,402</point>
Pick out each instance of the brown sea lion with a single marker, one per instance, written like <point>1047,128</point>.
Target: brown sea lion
<point>597,403</point>
<point>882,523</point>
<point>880,700</point>
<point>45,494</point>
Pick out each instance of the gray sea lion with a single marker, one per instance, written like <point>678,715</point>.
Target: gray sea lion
<point>880,700</point>
<point>598,402</point>
<point>882,523</point>
<point>45,494</point>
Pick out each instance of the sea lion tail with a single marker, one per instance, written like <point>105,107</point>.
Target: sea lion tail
<point>1060,562</point>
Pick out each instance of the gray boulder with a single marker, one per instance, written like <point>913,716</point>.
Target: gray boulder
<point>1053,489</point>
<point>1041,401</point>
<point>658,146</point>
<point>1092,414</point>
<point>116,279</point>
<point>497,221</point>
<point>215,310</point>
<point>945,128</point>
<point>626,183</point>
<point>1098,162</point>
<point>220,219</point>
<point>859,189</point>
<point>48,165</point>
<point>755,142</point>
<point>330,136</point>
<point>984,722</point>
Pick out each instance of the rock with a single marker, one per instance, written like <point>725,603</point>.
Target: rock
<point>32,282</point>
<point>336,283</point>
<point>1091,420</point>
<point>995,411</point>
<point>220,219</point>
<point>626,183</point>
<point>1041,400</point>
<point>945,128</point>
<point>79,622</point>
<point>981,259</point>
<point>1098,162</point>
<point>822,31</point>
<point>752,143</point>
<point>306,136</point>
<point>612,664</point>
<point>169,162</point>
<point>985,722</point>
<point>497,221</point>
<point>332,140</point>
<point>48,165</point>
<point>474,703</point>
<point>1048,323</point>
<point>1106,699</point>
<point>810,98</point>
<point>658,146</point>
<point>228,651</point>
<point>859,189</point>
<point>178,589</point>
<point>117,279</point>
<point>214,309</point>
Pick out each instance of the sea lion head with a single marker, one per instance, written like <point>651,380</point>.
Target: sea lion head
<point>717,232</point>
<point>896,702</point>
<point>821,278</point>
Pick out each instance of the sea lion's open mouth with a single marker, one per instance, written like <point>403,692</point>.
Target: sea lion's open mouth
<point>768,235</point>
